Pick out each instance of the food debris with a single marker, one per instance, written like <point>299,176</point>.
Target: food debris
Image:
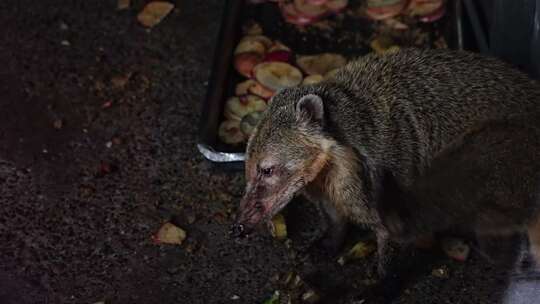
<point>278,228</point>
<point>65,43</point>
<point>235,297</point>
<point>441,272</point>
<point>455,248</point>
<point>169,234</point>
<point>120,81</point>
<point>359,250</point>
<point>154,12</point>
<point>123,4</point>
<point>229,132</point>
<point>274,299</point>
<point>310,296</point>
<point>58,124</point>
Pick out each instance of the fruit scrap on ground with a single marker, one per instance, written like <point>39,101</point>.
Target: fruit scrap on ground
<point>455,248</point>
<point>154,12</point>
<point>358,251</point>
<point>169,234</point>
<point>278,228</point>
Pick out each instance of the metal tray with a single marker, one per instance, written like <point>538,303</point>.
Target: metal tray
<point>223,77</point>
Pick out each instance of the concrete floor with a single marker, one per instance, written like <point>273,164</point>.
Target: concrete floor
<point>98,123</point>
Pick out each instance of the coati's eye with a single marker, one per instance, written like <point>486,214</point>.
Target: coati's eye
<point>267,172</point>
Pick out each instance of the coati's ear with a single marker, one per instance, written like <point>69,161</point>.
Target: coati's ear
<point>310,108</point>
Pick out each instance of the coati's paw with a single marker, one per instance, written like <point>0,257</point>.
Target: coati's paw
<point>330,244</point>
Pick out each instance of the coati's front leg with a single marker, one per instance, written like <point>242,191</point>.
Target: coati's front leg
<point>333,239</point>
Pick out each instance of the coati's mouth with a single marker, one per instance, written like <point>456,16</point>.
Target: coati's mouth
<point>256,213</point>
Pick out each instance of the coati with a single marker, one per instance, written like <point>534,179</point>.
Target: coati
<point>403,143</point>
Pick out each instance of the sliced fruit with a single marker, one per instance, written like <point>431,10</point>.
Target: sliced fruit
<point>320,64</point>
<point>154,12</point>
<point>383,45</point>
<point>384,9</point>
<point>250,46</point>
<point>306,9</point>
<point>434,16</point>
<point>261,91</point>
<point>424,7</point>
<point>279,55</point>
<point>229,132</point>
<point>245,62</point>
<point>251,86</point>
<point>249,122</point>
<point>313,79</point>
<point>336,5</point>
<point>242,88</point>
<point>278,46</point>
<point>291,15</point>
<point>330,73</point>
<point>278,228</point>
<point>277,75</point>
<point>395,24</point>
<point>169,234</point>
<point>238,107</point>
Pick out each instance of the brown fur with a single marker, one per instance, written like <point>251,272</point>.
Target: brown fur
<point>413,116</point>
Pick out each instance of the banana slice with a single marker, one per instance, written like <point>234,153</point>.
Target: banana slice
<point>309,10</point>
<point>253,43</point>
<point>313,79</point>
<point>229,132</point>
<point>249,122</point>
<point>251,86</point>
<point>321,63</point>
<point>238,107</point>
<point>277,75</point>
<point>336,6</point>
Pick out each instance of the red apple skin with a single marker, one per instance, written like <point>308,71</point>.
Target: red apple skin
<point>245,62</point>
<point>279,55</point>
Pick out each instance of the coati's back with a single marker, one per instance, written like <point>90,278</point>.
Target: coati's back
<point>410,104</point>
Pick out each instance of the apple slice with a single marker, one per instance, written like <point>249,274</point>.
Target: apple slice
<point>249,122</point>
<point>278,46</point>
<point>245,62</point>
<point>320,64</point>
<point>424,7</point>
<point>309,10</point>
<point>277,75</point>
<point>380,10</point>
<point>238,107</point>
<point>313,79</point>
<point>229,132</point>
<point>336,6</point>
<point>291,15</point>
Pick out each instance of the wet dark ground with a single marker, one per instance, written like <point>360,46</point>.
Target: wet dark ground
<point>98,124</point>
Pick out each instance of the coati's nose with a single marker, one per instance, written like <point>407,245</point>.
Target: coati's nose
<point>237,230</point>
